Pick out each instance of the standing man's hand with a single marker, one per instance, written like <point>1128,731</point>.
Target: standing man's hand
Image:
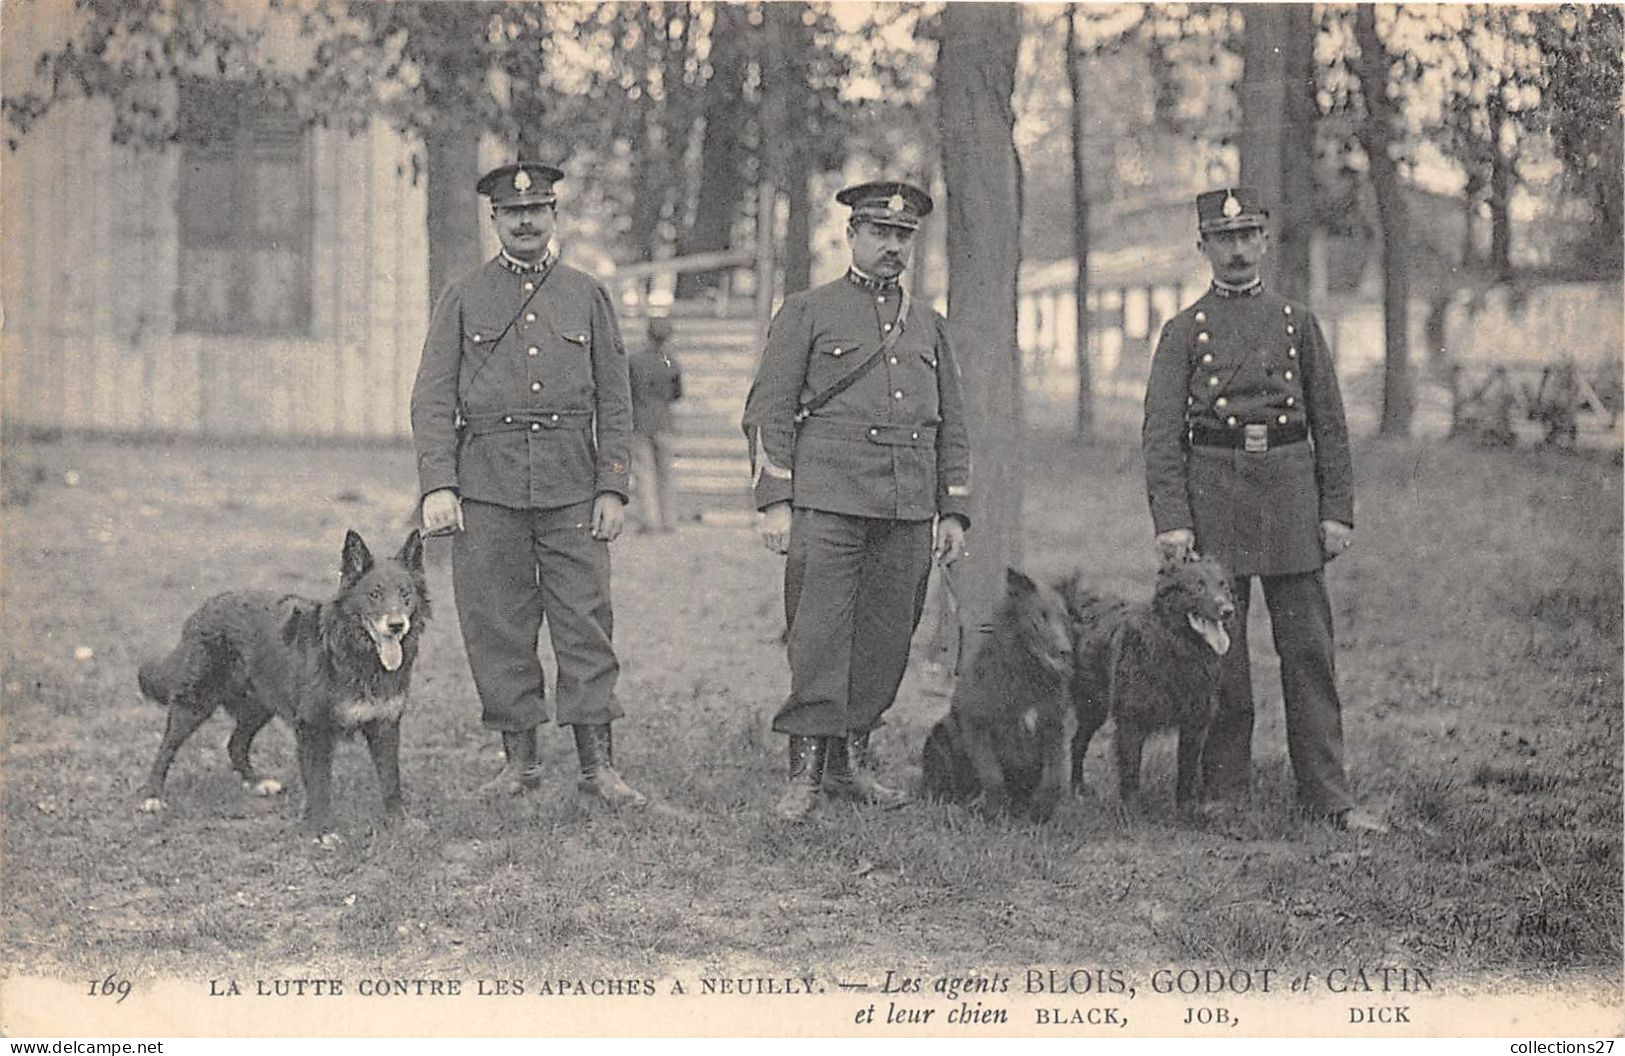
<point>1176,545</point>
<point>442,512</point>
<point>773,524</point>
<point>1335,537</point>
<point>608,516</point>
<point>950,546</point>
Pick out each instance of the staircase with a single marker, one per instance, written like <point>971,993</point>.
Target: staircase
<point>710,463</point>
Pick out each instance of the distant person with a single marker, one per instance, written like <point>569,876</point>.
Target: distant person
<point>657,383</point>
<point>1247,460</point>
<point>858,443</point>
<point>521,415</point>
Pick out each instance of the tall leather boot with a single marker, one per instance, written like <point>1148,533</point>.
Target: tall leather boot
<point>595,747</point>
<point>806,772</point>
<point>850,773</point>
<point>521,772</point>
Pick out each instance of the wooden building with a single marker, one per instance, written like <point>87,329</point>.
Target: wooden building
<point>260,280</point>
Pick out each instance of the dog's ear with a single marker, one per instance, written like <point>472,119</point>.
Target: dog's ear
<point>411,554</point>
<point>356,560</point>
<point>1017,582</point>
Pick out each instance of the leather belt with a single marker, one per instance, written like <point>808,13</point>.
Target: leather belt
<point>1255,438</point>
<point>527,421</point>
<point>874,433</point>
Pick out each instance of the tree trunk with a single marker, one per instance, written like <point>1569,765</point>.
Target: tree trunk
<point>976,70</point>
<point>1500,190</point>
<point>722,180</point>
<point>1083,428</point>
<point>797,249</point>
<point>1277,139</point>
<point>785,133</point>
<point>1376,134</point>
<point>451,168</point>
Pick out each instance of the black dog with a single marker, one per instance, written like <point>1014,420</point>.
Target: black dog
<point>1009,723</point>
<point>326,667</point>
<point>1150,667</point>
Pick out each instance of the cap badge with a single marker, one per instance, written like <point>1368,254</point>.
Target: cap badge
<point>521,181</point>
<point>1232,207</point>
<point>895,203</point>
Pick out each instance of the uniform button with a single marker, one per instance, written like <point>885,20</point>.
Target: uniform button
<point>1201,338</point>
<point>478,339</point>
<point>892,360</point>
<point>881,299</point>
<point>1289,375</point>
<point>1201,317</point>
<point>1231,421</point>
<point>1292,353</point>
<point>1213,382</point>
<point>535,427</point>
<point>1207,357</point>
<point>507,419</point>
<point>1291,401</point>
<point>529,286</point>
<point>887,328</point>
<point>1221,402</point>
<point>1286,309</point>
<point>535,386</point>
<point>1291,329</point>
<point>532,350</point>
<point>553,417</point>
<point>1190,401</point>
<point>530,317</point>
<point>837,350</point>
<point>897,395</point>
<point>1281,420</point>
<point>914,436</point>
<point>874,432</point>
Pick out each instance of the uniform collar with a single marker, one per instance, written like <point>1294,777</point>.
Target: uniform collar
<point>525,267</point>
<point>866,281</point>
<point>1252,289</point>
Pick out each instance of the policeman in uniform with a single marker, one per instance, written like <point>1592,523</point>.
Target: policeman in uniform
<point>858,442</point>
<point>520,415</point>
<point>1247,460</point>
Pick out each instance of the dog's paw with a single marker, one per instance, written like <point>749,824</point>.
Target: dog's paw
<point>265,786</point>
<point>152,805</point>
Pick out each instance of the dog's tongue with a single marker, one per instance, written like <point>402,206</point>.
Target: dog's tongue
<point>389,653</point>
<point>1212,632</point>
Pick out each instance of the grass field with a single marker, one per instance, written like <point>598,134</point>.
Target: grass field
<point>1480,635</point>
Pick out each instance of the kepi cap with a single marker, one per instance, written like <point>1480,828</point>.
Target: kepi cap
<point>1230,209</point>
<point>889,202</point>
<point>522,183</point>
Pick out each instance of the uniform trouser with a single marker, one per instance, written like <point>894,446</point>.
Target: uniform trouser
<point>854,589</point>
<point>511,567</point>
<point>651,481</point>
<point>1301,623</point>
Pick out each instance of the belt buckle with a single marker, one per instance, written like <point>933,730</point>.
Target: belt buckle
<point>1256,438</point>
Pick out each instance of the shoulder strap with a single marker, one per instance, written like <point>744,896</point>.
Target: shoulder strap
<point>853,376</point>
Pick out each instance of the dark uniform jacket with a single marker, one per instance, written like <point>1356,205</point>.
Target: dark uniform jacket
<point>656,382</point>
<point>1228,362</point>
<point>894,445</point>
<point>545,408</point>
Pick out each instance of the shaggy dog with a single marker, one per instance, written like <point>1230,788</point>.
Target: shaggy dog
<point>1009,722</point>
<point>326,667</point>
<point>1150,667</point>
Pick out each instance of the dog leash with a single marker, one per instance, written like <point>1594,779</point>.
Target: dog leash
<point>955,608</point>
<point>952,597</point>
